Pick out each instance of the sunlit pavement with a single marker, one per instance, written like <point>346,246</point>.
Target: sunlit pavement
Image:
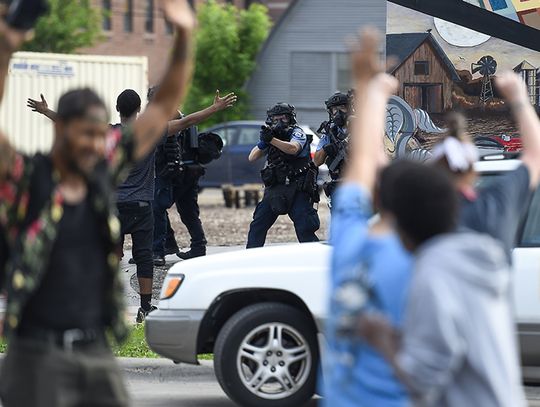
<point>161,383</point>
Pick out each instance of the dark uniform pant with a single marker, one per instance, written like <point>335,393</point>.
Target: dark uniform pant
<point>36,374</point>
<point>137,220</point>
<point>185,195</point>
<point>304,216</point>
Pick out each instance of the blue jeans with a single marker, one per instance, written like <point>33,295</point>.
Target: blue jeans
<point>304,216</point>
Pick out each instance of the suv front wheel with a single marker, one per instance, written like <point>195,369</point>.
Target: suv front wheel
<point>267,355</point>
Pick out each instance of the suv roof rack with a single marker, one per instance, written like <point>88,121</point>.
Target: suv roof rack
<point>505,155</point>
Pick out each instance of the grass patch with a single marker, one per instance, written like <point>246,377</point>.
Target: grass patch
<point>134,347</point>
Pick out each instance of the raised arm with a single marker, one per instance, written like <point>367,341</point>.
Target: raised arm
<point>149,126</point>
<point>515,93</point>
<point>220,103</point>
<point>42,107</point>
<point>373,88</point>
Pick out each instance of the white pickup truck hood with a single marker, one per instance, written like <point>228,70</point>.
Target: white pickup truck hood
<point>298,268</point>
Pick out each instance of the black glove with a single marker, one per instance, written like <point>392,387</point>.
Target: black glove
<point>330,149</point>
<point>266,135</point>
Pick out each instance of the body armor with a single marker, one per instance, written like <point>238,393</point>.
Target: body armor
<point>281,168</point>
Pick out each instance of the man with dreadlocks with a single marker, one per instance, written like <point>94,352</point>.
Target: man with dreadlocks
<point>290,177</point>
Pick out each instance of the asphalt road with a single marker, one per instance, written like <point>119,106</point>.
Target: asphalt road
<point>160,383</point>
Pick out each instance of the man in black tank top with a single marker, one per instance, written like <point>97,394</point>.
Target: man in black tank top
<point>60,239</point>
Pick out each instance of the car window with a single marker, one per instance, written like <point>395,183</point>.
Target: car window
<point>226,133</point>
<point>531,229</point>
<point>248,135</point>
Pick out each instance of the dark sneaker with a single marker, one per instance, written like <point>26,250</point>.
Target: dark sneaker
<point>142,314</point>
<point>131,261</point>
<point>190,254</point>
<point>171,250</point>
<point>159,260</point>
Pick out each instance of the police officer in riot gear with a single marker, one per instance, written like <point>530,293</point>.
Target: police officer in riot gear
<point>332,149</point>
<point>290,178</point>
<point>180,161</point>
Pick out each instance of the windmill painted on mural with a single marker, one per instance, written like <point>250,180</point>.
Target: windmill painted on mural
<point>486,66</point>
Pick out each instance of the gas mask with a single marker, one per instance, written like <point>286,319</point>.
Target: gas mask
<point>280,128</point>
<point>340,118</point>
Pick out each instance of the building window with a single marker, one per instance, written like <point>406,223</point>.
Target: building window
<point>497,5</point>
<point>311,79</point>
<point>128,16</point>
<point>107,15</point>
<point>421,68</point>
<point>343,72</point>
<point>149,20</point>
<point>168,28</point>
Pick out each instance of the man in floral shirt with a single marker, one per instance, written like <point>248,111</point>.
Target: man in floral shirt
<point>60,235</point>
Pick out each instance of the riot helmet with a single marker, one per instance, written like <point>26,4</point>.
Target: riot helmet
<point>338,107</point>
<point>281,126</point>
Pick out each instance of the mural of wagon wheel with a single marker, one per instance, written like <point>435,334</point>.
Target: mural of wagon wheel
<point>402,123</point>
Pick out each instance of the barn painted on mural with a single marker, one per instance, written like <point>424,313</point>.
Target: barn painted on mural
<point>425,73</point>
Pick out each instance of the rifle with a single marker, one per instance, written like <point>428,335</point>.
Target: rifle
<point>342,144</point>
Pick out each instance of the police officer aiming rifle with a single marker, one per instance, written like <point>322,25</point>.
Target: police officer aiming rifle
<point>333,147</point>
<point>290,177</point>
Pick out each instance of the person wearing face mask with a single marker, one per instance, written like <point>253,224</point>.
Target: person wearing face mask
<point>290,178</point>
<point>332,149</point>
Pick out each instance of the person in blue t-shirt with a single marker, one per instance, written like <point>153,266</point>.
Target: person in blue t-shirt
<point>370,269</point>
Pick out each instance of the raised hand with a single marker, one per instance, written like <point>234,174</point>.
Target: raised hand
<point>512,87</point>
<point>38,106</point>
<point>367,66</point>
<point>365,56</point>
<point>222,103</point>
<point>179,13</point>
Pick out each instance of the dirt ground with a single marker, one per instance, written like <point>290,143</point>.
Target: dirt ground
<point>229,226</point>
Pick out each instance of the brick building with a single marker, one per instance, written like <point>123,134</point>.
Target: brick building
<point>137,27</point>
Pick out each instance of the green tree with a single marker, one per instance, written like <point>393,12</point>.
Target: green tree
<point>68,26</point>
<point>228,40</point>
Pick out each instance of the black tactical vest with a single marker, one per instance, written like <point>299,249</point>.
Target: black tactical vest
<point>286,165</point>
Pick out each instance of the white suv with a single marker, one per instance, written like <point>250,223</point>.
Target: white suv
<point>261,312</point>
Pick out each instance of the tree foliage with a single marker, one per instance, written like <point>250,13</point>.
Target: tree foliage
<point>228,40</point>
<point>68,26</point>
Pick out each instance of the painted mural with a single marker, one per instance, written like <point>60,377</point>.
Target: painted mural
<point>523,11</point>
<point>442,66</point>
